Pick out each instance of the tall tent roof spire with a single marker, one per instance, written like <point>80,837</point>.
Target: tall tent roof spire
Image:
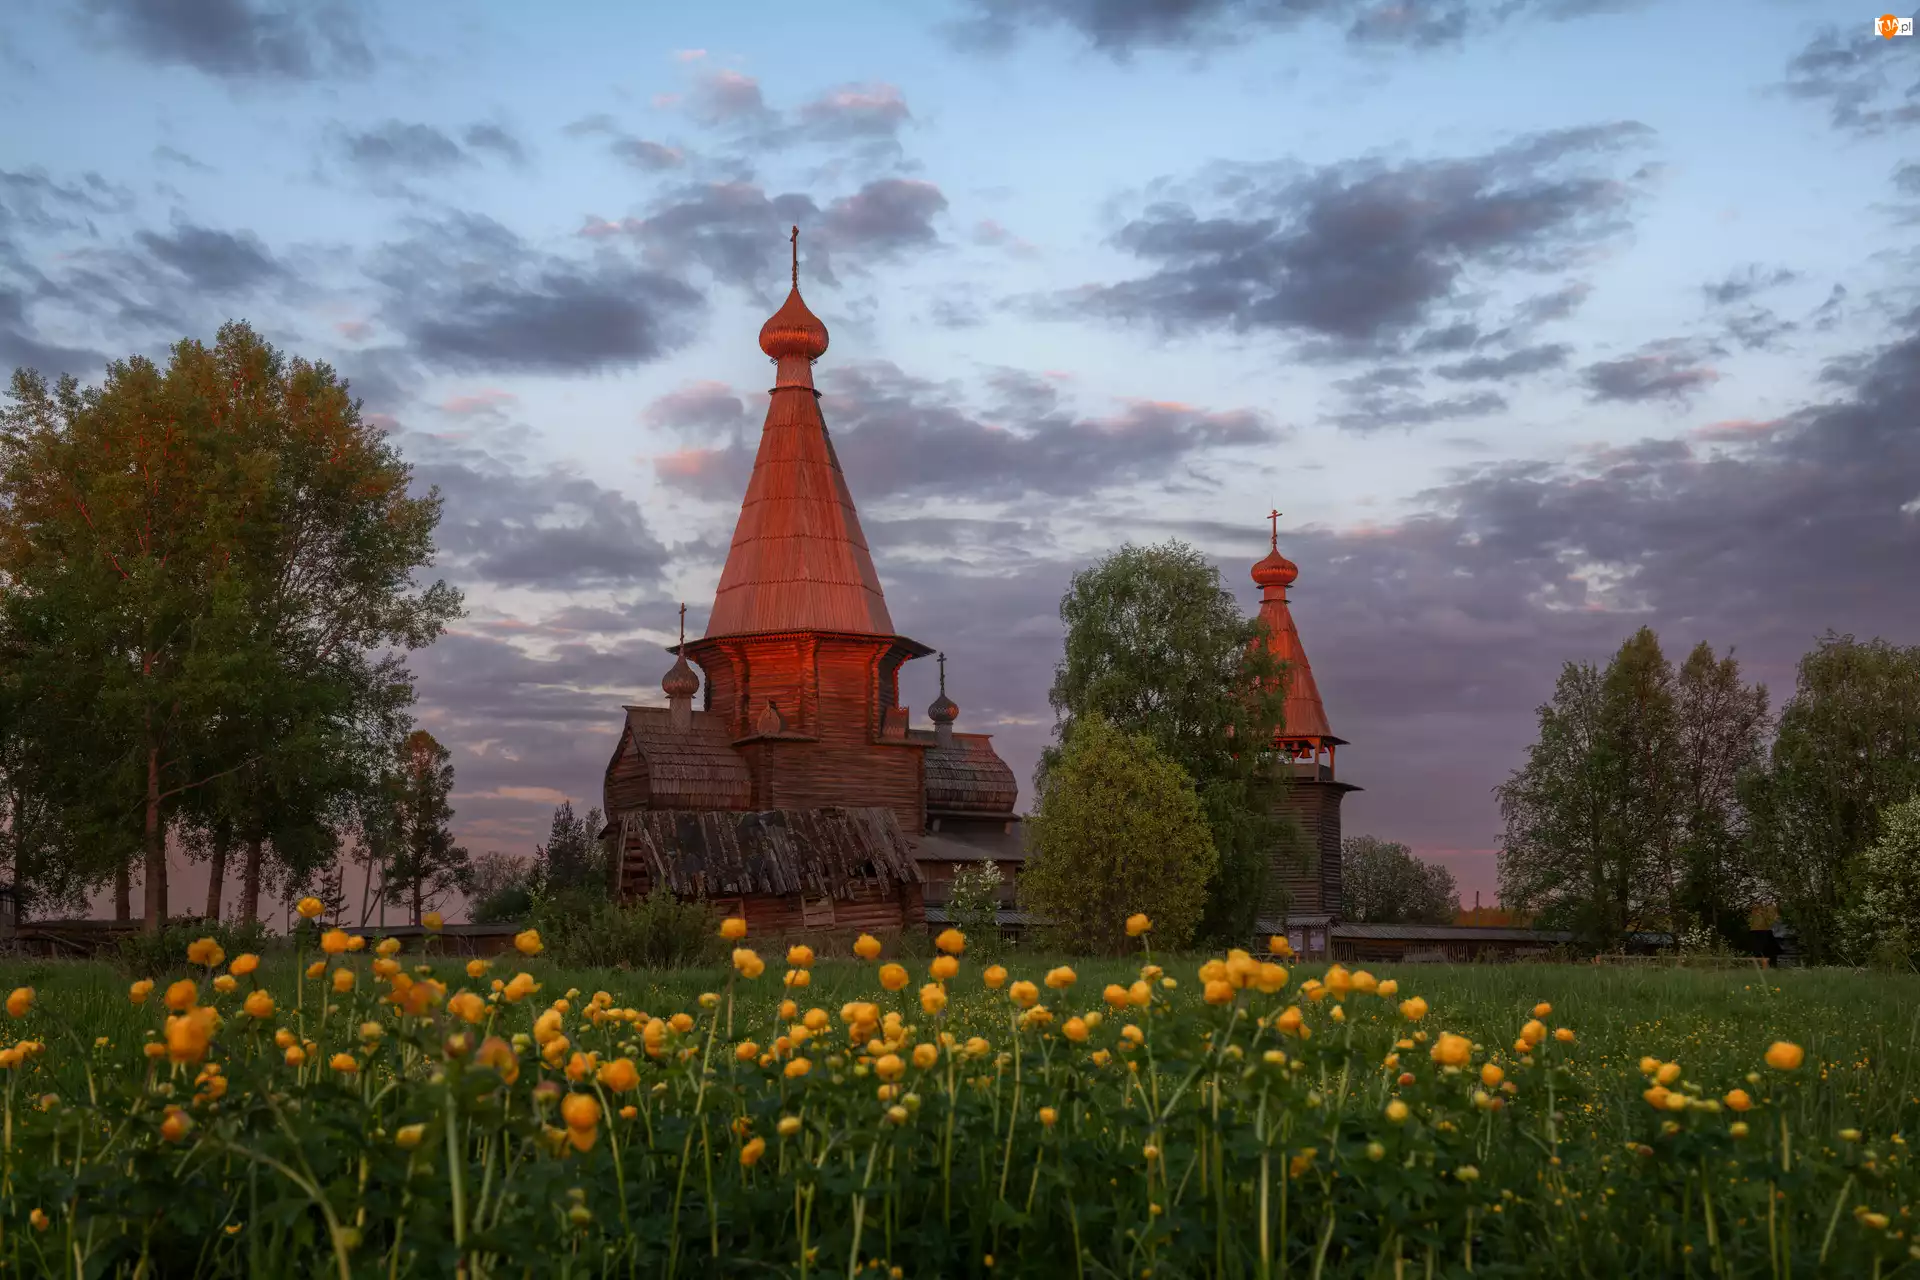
<point>799,560</point>
<point>1306,716</point>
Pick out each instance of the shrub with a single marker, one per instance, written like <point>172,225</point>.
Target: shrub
<point>581,927</point>
<point>147,955</point>
<point>974,904</point>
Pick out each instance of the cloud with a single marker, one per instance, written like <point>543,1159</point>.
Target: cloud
<point>990,234</point>
<point>1120,28</point>
<point>166,155</point>
<point>212,261</point>
<point>648,156</point>
<point>1743,284</point>
<point>1357,256</point>
<point>898,435</point>
<point>239,39</point>
<point>1514,364</point>
<point>495,138</point>
<point>33,201</point>
<point>1378,409</point>
<point>399,149</point>
<point>884,217</point>
<point>725,97</point>
<point>469,294</point>
<point>20,347</point>
<point>1866,86</point>
<point>1667,370</point>
<point>854,111</point>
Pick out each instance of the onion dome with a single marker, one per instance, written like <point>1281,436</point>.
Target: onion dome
<point>794,330</point>
<point>944,709</point>
<point>1274,569</point>
<point>680,682</point>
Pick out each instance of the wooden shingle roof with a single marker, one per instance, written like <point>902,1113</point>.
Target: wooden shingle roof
<point>692,767</point>
<point>967,777</point>
<point>826,852</point>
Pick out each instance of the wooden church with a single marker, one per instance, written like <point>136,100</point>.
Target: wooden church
<point>796,792</point>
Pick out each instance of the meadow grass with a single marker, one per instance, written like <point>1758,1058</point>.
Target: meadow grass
<point>1044,1150</point>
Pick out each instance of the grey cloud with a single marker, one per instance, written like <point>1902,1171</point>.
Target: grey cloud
<point>180,159</point>
<point>1380,409</point>
<point>398,149</point>
<point>854,111</point>
<point>495,138</point>
<point>211,260</point>
<point>1848,70</point>
<point>729,98</point>
<point>239,38</point>
<point>1745,283</point>
<point>1514,364</point>
<point>1556,305</point>
<point>1666,370</point>
<point>651,156</point>
<point>470,294</point>
<point>1357,255</point>
<point>32,200</point>
<point>20,347</point>
<point>1757,328</point>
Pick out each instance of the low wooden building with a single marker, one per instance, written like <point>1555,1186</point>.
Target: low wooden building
<point>797,791</point>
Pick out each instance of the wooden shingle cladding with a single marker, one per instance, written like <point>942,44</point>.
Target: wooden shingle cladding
<point>659,765</point>
<point>1311,798</point>
<point>968,777</point>
<point>849,855</point>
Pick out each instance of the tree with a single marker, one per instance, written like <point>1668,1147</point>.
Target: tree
<point>572,857</point>
<point>499,888</point>
<point>1847,748</point>
<point>1883,922</point>
<point>1118,828</point>
<point>973,904</point>
<point>1155,645</point>
<point>426,864</point>
<point>1722,724</point>
<point>1381,882</point>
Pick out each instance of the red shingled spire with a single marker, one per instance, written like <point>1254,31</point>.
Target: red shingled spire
<point>1305,728</point>
<point>799,561</point>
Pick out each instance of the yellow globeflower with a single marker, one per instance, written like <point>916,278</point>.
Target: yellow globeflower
<point>1784,1055</point>
<point>1413,1010</point>
<point>1534,1031</point>
<point>1075,1029</point>
<point>1666,1073</point>
<point>344,1063</point>
<point>519,988</point>
<point>1649,1065</point>
<point>797,1067</point>
<point>748,962</point>
<point>1140,995</point>
<point>1138,923</point>
<point>334,941</point>
<point>1563,1034</point>
<point>933,998</point>
<point>188,1035</point>
<point>1048,1116</point>
<point>387,947</point>
<point>140,990</point>
<point>867,947</point>
<point>19,1001</point>
<point>176,1124</point>
<point>944,968</point>
<point>433,921</point>
<point>499,1056</point>
<point>1061,978</point>
<point>1451,1050</point>
<point>477,968</point>
<point>788,1126</point>
<point>951,941</point>
<point>181,996</point>
<point>1542,1009</point>
<point>750,1154</point>
<point>1387,988</point>
<point>800,957</point>
<point>925,1055</point>
<point>343,980</point>
<point>1269,978</point>
<point>994,976</point>
<point>206,953</point>
<point>1219,991</point>
<point>889,1066</point>
<point>409,1136</point>
<point>733,928</point>
<point>1024,994</point>
<point>258,1005</point>
<point>1737,1100</point>
<point>1397,1111</point>
<point>1115,995</point>
<point>1491,1075</point>
<point>467,1007</point>
<point>528,943</point>
<point>244,964</point>
<point>310,908</point>
<point>893,976</point>
<point>317,968</point>
<point>1279,946</point>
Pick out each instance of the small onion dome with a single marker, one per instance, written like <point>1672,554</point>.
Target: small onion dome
<point>793,330</point>
<point>680,682</point>
<point>944,710</point>
<point>1275,570</point>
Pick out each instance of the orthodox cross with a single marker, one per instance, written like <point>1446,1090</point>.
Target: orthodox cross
<point>943,674</point>
<point>1275,517</point>
<point>796,257</point>
<point>683,624</point>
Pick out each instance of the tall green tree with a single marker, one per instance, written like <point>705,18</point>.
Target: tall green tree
<point>1720,738</point>
<point>1117,829</point>
<point>1882,923</point>
<point>426,865</point>
<point>1155,645</point>
<point>1847,748</point>
<point>1381,882</point>
<point>572,857</point>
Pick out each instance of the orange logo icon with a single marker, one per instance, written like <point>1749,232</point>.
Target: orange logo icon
<point>1888,26</point>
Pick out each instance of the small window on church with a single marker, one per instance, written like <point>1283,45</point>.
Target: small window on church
<point>816,913</point>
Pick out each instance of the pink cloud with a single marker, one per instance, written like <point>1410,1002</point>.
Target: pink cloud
<point>689,55</point>
<point>487,398</point>
<point>353,330</point>
<point>1737,429</point>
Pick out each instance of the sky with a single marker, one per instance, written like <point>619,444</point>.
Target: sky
<point>1539,320</point>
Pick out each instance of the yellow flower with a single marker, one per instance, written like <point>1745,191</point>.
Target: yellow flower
<point>800,956</point>
<point>1062,978</point>
<point>1140,995</point>
<point>206,953</point>
<point>1666,1073</point>
<point>388,947</point>
<point>620,1075</point>
<point>994,976</point>
<point>798,977</point>
<point>140,990</point>
<point>751,1153</point>
<point>951,941</point>
<point>1784,1055</point>
<point>1387,988</point>
<point>176,1124</point>
<point>1534,1031</point>
<point>867,947</point>
<point>344,1063</point>
<point>519,988</point>
<point>468,1007</point>
<point>1024,994</point>
<point>1269,978</point>
<point>579,1111</point>
<point>409,1136</point>
<point>1563,1034</point>
<point>343,980</point>
<point>188,1035</point>
<point>527,943</point>
<point>733,928</point>
<point>944,968</point>
<point>1075,1029</point>
<point>181,996</point>
<point>477,968</point>
<point>296,1056</point>
<point>1737,1100</point>
<point>893,977</point>
<point>1397,1111</point>
<point>1649,1065</point>
<point>1451,1050</point>
<point>258,1005</point>
<point>499,1057</point>
<point>310,908</point>
<point>798,1067</point>
<point>933,998</point>
<point>925,1055</point>
<point>1279,946</point>
<point>39,1219</point>
<point>20,1001</point>
<point>889,1066</point>
<point>244,964</point>
<point>1137,924</point>
<point>433,921</point>
<point>748,963</point>
<point>357,942</point>
<point>1219,991</point>
<point>334,941</point>
<point>1413,1010</point>
<point>317,968</point>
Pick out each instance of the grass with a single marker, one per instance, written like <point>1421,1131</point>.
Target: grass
<point>1257,1168</point>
